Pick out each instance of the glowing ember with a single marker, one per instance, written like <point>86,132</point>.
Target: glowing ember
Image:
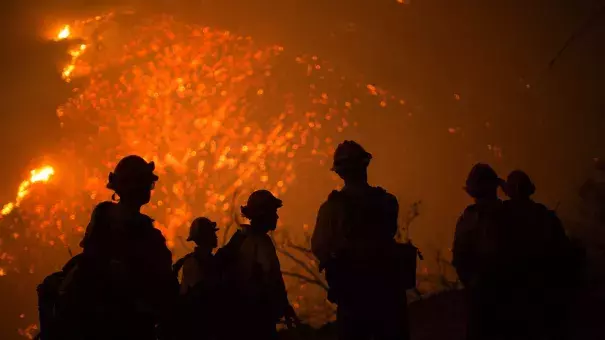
<point>29,332</point>
<point>37,175</point>
<point>218,114</point>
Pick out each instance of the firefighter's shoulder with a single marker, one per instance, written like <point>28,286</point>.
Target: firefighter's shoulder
<point>466,221</point>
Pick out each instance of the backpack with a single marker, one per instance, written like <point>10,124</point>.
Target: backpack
<point>178,265</point>
<point>406,257</point>
<point>483,245</point>
<point>400,258</point>
<point>237,295</point>
<point>52,301</point>
<point>48,306</point>
<point>195,312</point>
<point>200,290</point>
<point>92,288</point>
<point>227,258</point>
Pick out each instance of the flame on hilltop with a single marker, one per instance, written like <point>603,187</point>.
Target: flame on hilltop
<point>218,114</point>
<point>42,174</point>
<point>75,52</point>
<point>70,32</point>
<point>64,33</point>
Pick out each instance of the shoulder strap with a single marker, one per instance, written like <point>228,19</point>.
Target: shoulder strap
<point>380,190</point>
<point>178,265</point>
<point>226,254</point>
<point>98,225</point>
<point>236,241</point>
<point>335,194</point>
<point>342,199</point>
<point>256,262</point>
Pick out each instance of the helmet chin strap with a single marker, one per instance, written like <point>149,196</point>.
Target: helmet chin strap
<point>110,181</point>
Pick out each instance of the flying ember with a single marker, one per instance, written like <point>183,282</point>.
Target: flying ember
<point>219,115</point>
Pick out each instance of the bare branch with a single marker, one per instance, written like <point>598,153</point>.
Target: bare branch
<point>304,250</point>
<point>403,232</point>
<point>594,18</point>
<point>308,235</point>
<point>234,218</point>
<point>302,264</point>
<point>301,249</point>
<point>306,279</point>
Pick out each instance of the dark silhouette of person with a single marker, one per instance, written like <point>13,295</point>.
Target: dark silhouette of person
<point>353,241</point>
<point>200,281</point>
<point>540,263</point>
<point>50,302</point>
<point>197,266</point>
<point>477,254</point>
<point>257,296</point>
<point>592,193</point>
<point>125,285</point>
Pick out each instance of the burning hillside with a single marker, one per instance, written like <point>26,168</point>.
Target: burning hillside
<point>218,114</point>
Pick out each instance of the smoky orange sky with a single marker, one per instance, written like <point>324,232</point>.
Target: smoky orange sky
<point>463,68</point>
<point>474,75</point>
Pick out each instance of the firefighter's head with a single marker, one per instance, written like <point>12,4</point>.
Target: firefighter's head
<point>519,186</point>
<point>133,180</point>
<point>351,160</point>
<point>482,182</point>
<point>261,209</point>
<point>203,233</point>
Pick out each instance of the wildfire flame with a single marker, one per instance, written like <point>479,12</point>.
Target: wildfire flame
<point>218,114</point>
<point>76,52</point>
<point>42,174</point>
<point>64,33</point>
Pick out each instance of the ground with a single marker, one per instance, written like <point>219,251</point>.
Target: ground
<point>443,316</point>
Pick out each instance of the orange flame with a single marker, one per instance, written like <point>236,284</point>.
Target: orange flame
<point>75,53</point>
<point>42,174</point>
<point>204,108</point>
<point>64,33</point>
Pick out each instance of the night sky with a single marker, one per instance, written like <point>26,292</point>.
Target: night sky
<point>474,73</point>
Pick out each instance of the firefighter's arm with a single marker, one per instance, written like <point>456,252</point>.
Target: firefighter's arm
<point>163,255</point>
<point>87,233</point>
<point>162,293</point>
<point>286,311</point>
<point>322,234</point>
<point>162,263</point>
<point>98,214</point>
<point>462,251</point>
<point>275,277</point>
<point>191,275</point>
<point>392,213</point>
<point>557,229</point>
<point>563,247</point>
